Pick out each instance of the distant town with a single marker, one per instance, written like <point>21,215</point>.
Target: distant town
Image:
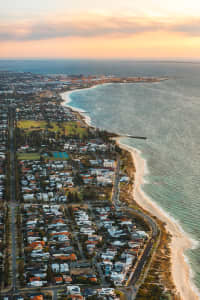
<point>69,226</point>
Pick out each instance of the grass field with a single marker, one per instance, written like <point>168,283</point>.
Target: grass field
<point>65,128</point>
<point>28,156</point>
<point>68,128</point>
<point>73,129</point>
<point>31,125</point>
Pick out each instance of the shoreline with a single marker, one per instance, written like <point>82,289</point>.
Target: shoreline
<point>180,240</point>
<point>66,100</point>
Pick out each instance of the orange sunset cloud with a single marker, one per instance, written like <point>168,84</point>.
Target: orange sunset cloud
<point>98,35</point>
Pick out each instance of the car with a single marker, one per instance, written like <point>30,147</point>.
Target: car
<point>117,283</point>
<point>89,292</point>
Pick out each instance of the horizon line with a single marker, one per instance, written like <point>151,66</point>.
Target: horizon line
<point>173,60</point>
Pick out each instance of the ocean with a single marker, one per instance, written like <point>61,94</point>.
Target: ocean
<point>167,113</point>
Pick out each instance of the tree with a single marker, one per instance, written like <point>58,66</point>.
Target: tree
<point>49,273</point>
<point>78,179</point>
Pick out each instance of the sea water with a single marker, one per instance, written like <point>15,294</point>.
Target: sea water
<point>167,113</point>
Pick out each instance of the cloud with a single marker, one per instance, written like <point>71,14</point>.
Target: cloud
<point>189,27</point>
<point>94,26</point>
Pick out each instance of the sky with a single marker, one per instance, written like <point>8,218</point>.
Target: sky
<point>124,29</point>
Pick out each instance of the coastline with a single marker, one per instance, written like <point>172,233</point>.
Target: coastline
<point>66,100</point>
<point>180,240</point>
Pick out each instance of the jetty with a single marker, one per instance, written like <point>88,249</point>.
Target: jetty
<point>134,137</point>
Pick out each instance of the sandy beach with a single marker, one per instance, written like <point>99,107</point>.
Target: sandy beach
<point>66,100</point>
<point>181,271</point>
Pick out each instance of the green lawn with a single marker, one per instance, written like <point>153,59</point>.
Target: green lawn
<point>66,128</point>
<point>30,125</point>
<point>28,156</point>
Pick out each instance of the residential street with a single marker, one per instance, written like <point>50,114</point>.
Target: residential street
<point>12,203</point>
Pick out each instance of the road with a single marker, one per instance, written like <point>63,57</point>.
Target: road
<point>115,192</point>
<point>75,236</point>
<point>12,203</point>
<point>54,296</point>
<point>131,291</point>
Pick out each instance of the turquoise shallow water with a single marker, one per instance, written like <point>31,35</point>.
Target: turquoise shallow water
<point>168,114</point>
